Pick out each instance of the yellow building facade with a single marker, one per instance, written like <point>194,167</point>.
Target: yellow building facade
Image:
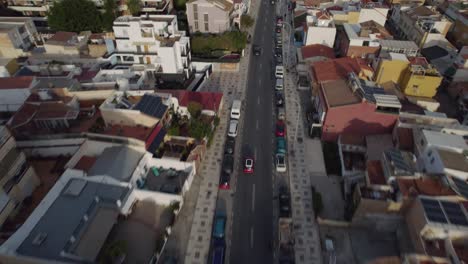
<point>390,71</point>
<point>420,82</point>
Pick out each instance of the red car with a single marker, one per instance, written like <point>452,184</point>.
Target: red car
<point>248,165</point>
<point>280,129</point>
<point>224,181</point>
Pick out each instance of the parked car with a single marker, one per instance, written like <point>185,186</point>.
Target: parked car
<point>228,163</point>
<point>279,72</point>
<point>219,248</point>
<point>279,60</point>
<point>219,224</point>
<point>280,129</point>
<point>279,52</point>
<point>236,109</point>
<point>279,21</point>
<point>279,84</point>
<point>257,50</point>
<point>224,181</point>
<point>233,128</point>
<point>230,145</point>
<point>284,202</point>
<point>279,99</point>
<point>248,164</point>
<point>280,145</point>
<point>278,29</point>
<point>280,113</point>
<point>280,163</point>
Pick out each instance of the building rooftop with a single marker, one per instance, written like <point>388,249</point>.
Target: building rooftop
<point>63,38</point>
<point>444,140</point>
<point>377,145</point>
<point>317,50</point>
<point>405,138</point>
<point>420,11</point>
<point>375,173</point>
<point>151,105</point>
<point>155,18</point>
<point>453,160</point>
<point>118,162</point>
<point>423,186</point>
<point>400,163</point>
<point>23,82</point>
<point>209,100</point>
<point>445,213</point>
<point>335,69</point>
<point>76,222</point>
<point>337,93</point>
<point>398,44</point>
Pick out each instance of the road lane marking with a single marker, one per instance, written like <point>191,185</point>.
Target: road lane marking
<point>253,197</point>
<point>258,100</point>
<point>259,82</point>
<point>256,124</point>
<point>251,237</point>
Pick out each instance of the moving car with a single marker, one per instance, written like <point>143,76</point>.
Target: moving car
<point>284,202</point>
<point>248,165</point>
<point>228,163</point>
<point>224,181</point>
<point>279,99</point>
<point>280,129</point>
<point>280,163</point>
<point>257,50</point>
<point>230,145</point>
<point>233,128</point>
<point>279,72</point>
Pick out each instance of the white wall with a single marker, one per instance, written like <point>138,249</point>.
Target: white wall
<point>379,15</point>
<point>321,35</point>
<point>51,147</point>
<point>160,198</point>
<point>12,99</point>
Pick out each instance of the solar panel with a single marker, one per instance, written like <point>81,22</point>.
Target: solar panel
<point>151,105</point>
<point>454,213</point>
<point>433,211</point>
<point>399,162</point>
<point>461,187</point>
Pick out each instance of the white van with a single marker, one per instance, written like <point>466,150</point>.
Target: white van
<point>279,72</point>
<point>279,84</point>
<point>236,109</point>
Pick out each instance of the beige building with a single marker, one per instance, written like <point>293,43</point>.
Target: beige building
<point>17,36</point>
<point>66,43</point>
<point>17,178</point>
<point>209,16</point>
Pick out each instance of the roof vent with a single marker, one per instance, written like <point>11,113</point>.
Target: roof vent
<point>39,239</point>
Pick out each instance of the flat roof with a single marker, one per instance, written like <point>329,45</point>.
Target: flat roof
<point>398,56</point>
<point>338,93</point>
<point>453,160</point>
<point>398,44</point>
<point>444,140</point>
<point>118,162</point>
<point>81,208</point>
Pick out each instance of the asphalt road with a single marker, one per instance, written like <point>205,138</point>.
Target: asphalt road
<point>252,228</point>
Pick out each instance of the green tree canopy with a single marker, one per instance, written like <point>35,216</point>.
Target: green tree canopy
<point>134,6</point>
<point>194,109</point>
<point>110,14</point>
<point>74,16</point>
<point>247,21</point>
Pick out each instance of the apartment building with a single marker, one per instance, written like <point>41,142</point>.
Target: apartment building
<point>355,107</point>
<point>421,24</point>
<point>66,43</point>
<point>362,40</point>
<point>17,178</point>
<point>458,13</point>
<point>320,29</point>
<point>17,36</point>
<point>30,8</point>
<point>209,16</point>
<point>420,78</point>
<point>361,11</point>
<point>152,42</point>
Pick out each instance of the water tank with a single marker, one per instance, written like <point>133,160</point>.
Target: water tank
<point>123,84</point>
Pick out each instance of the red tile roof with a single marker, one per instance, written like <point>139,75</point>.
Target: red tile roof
<point>62,36</point>
<point>375,172</point>
<point>316,50</point>
<point>85,163</point>
<point>22,82</point>
<point>335,69</point>
<point>209,100</point>
<point>423,186</point>
<point>140,133</point>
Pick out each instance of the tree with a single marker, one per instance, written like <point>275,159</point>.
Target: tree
<point>74,16</point>
<point>247,21</point>
<point>198,129</point>
<point>179,5</point>
<point>134,7</point>
<point>194,109</point>
<point>110,14</point>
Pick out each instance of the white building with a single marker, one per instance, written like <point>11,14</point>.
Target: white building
<point>154,42</point>
<point>320,29</point>
<point>14,91</point>
<point>17,36</point>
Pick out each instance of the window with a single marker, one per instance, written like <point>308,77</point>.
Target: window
<point>195,12</point>
<point>205,17</point>
<point>422,142</point>
<point>365,43</point>
<point>206,27</point>
<point>196,25</point>
<point>415,88</point>
<point>429,153</point>
<point>432,160</point>
<point>141,60</point>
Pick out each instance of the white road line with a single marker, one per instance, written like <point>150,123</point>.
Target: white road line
<point>258,100</point>
<point>253,197</point>
<point>256,125</point>
<point>261,66</point>
<point>251,237</point>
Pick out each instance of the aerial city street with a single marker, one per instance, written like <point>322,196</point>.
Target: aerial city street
<point>234,131</point>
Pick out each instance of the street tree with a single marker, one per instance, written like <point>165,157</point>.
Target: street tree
<point>134,6</point>
<point>74,16</point>
<point>110,14</point>
<point>246,21</point>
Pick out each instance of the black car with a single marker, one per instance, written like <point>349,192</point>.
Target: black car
<point>284,202</point>
<point>230,144</point>
<point>279,99</point>
<point>257,50</point>
<point>228,163</point>
<point>279,52</point>
<point>279,61</point>
<point>224,181</point>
